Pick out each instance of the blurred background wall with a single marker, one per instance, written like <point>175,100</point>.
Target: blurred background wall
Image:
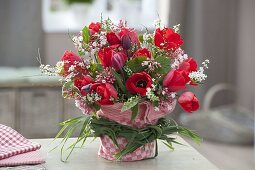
<point>21,32</point>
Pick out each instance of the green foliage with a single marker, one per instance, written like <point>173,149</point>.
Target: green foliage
<point>120,81</point>
<point>131,102</point>
<point>165,64</point>
<point>69,127</point>
<point>134,110</point>
<point>140,37</point>
<point>85,34</point>
<point>69,90</point>
<point>96,106</point>
<point>135,64</point>
<point>136,137</point>
<point>139,137</point>
<point>78,1</point>
<point>95,67</point>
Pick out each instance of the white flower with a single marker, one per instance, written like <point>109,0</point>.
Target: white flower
<point>157,23</point>
<point>178,60</point>
<point>198,76</point>
<point>71,68</point>
<point>156,109</point>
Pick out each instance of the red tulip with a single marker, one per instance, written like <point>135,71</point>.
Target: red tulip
<point>112,58</point>
<point>138,83</point>
<point>69,59</point>
<point>106,91</point>
<point>105,56</point>
<point>118,60</point>
<point>188,102</point>
<point>128,38</point>
<point>175,80</point>
<point>94,27</point>
<point>81,83</point>
<point>142,52</point>
<point>188,65</point>
<point>167,39</point>
<point>112,38</point>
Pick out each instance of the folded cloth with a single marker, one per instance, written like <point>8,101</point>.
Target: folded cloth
<point>29,158</point>
<point>16,149</point>
<point>25,167</point>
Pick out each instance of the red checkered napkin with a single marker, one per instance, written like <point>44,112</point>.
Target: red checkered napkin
<point>12,143</point>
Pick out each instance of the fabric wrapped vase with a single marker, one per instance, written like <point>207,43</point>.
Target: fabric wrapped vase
<point>146,116</point>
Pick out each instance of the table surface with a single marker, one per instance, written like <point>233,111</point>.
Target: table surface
<point>182,158</point>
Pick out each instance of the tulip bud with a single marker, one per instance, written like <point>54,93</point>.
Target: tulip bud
<point>86,88</point>
<point>126,42</point>
<point>175,80</point>
<point>118,60</point>
<point>188,102</point>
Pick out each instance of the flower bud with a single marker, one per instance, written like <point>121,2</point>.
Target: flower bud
<point>126,42</point>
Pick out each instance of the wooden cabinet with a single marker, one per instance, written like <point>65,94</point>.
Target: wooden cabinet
<point>7,107</point>
<point>40,111</point>
<point>32,103</point>
<point>70,110</point>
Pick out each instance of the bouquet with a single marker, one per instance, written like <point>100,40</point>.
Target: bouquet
<point>125,84</point>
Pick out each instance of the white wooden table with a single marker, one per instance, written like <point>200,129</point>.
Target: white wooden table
<point>182,158</point>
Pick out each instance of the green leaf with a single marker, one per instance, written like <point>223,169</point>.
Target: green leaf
<point>97,106</point>
<point>66,93</point>
<point>136,64</point>
<point>85,34</point>
<point>81,53</point>
<point>169,145</point>
<point>68,84</point>
<point>165,64</point>
<point>131,102</point>
<point>134,110</point>
<point>119,81</point>
<point>140,37</point>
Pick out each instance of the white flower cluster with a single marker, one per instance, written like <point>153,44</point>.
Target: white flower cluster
<point>78,41</point>
<point>169,95</point>
<point>102,39</point>
<point>179,59</point>
<point>177,28</point>
<point>128,70</point>
<point>48,70</point>
<point>146,39</point>
<point>157,23</point>
<point>150,95</point>
<point>92,97</point>
<point>151,64</point>
<point>83,106</point>
<point>198,76</point>
<point>205,63</point>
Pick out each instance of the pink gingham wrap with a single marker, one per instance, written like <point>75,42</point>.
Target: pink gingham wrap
<point>146,116</point>
<point>108,149</point>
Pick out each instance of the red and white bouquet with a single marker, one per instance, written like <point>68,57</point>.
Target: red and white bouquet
<point>127,83</point>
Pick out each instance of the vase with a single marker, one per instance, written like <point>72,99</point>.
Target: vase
<point>147,115</point>
<point>108,149</point>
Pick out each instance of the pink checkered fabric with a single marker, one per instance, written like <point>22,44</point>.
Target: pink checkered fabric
<point>12,143</point>
<point>146,116</point>
<point>108,149</point>
<point>29,158</point>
